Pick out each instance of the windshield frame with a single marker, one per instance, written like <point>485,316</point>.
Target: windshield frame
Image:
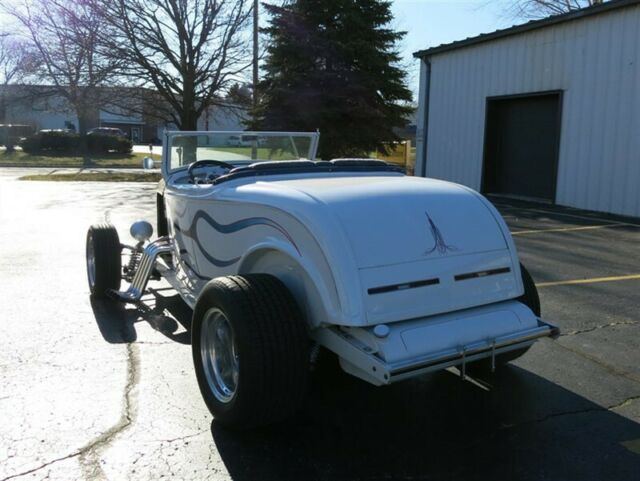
<point>170,134</point>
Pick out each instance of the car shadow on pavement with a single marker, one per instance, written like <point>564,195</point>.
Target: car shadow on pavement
<point>438,427</point>
<point>117,320</point>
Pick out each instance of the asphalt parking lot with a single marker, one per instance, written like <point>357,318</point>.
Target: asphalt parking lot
<point>100,391</point>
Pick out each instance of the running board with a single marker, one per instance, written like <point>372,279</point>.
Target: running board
<point>179,280</point>
<point>138,285</point>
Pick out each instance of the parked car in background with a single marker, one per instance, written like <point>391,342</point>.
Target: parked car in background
<point>13,134</point>
<point>235,141</point>
<point>247,140</point>
<point>62,131</point>
<point>107,131</point>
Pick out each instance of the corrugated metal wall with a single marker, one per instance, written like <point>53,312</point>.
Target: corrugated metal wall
<point>596,63</point>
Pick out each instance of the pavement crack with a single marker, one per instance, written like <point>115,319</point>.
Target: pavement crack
<point>155,343</point>
<point>596,328</point>
<point>182,438</point>
<point>543,419</point>
<point>42,466</point>
<point>89,454</point>
<point>612,369</point>
<point>624,403</point>
<point>552,416</point>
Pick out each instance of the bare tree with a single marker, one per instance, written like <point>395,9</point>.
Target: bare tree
<point>63,35</point>
<point>12,59</point>
<point>534,9</point>
<point>188,51</point>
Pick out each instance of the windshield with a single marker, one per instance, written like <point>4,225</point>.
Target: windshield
<point>239,148</point>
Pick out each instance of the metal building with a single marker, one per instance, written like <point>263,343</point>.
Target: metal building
<point>547,110</point>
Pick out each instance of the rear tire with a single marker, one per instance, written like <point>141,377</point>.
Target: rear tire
<point>531,299</point>
<point>250,350</point>
<point>104,262</point>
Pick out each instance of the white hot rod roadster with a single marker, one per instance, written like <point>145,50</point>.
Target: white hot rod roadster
<point>279,255</point>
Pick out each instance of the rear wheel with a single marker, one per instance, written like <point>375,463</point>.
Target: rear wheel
<point>530,299</point>
<point>250,350</point>
<point>104,264</point>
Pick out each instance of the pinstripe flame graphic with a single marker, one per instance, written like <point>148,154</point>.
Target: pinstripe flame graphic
<point>230,229</point>
<point>439,243</point>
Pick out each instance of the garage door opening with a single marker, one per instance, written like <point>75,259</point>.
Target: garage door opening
<point>521,146</point>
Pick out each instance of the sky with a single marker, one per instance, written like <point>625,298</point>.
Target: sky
<point>429,23</point>
<point>433,22</point>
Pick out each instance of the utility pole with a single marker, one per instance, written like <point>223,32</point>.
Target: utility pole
<point>255,53</point>
<point>254,148</point>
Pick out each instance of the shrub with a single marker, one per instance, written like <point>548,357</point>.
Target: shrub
<point>123,145</point>
<point>52,142</point>
<point>68,142</point>
<point>102,144</point>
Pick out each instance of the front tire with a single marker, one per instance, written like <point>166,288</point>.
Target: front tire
<point>250,350</point>
<point>104,262</point>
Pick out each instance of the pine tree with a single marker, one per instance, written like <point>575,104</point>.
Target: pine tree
<point>332,65</point>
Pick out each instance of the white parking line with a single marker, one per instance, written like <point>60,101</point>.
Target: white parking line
<point>592,280</point>
<point>568,229</point>
<point>576,216</point>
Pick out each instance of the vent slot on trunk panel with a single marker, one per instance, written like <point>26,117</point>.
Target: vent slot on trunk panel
<point>403,286</point>
<point>479,274</point>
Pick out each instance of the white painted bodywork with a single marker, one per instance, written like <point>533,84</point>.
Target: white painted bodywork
<point>344,234</point>
<point>334,237</point>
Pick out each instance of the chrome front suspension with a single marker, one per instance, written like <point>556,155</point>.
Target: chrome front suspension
<point>143,264</point>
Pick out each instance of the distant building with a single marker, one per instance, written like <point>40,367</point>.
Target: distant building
<point>408,132</point>
<point>548,110</point>
<point>35,105</point>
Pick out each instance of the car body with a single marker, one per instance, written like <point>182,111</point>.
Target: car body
<point>112,131</point>
<point>247,140</point>
<point>396,275</point>
<point>235,141</point>
<point>61,131</point>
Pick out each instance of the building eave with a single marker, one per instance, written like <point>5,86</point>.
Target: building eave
<point>529,26</point>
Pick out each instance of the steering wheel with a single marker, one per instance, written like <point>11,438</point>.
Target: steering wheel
<point>201,163</point>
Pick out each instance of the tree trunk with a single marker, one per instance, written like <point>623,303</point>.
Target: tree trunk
<point>82,124</point>
<point>4,130</point>
<point>82,130</point>
<point>189,121</point>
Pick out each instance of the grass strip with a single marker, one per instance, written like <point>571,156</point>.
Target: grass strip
<point>97,177</point>
<point>22,159</point>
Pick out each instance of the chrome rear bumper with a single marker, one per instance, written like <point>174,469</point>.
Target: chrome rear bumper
<point>473,352</point>
<point>361,358</point>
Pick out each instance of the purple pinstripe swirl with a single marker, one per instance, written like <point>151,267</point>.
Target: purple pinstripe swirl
<point>230,229</point>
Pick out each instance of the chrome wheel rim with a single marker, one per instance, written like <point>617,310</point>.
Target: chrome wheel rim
<point>91,262</point>
<point>219,355</point>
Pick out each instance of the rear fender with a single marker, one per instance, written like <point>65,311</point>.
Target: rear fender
<point>314,291</point>
<point>506,233</point>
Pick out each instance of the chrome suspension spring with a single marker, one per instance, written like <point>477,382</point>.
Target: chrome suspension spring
<point>132,266</point>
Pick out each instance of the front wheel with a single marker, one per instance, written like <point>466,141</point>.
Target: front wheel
<point>104,263</point>
<point>250,350</point>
